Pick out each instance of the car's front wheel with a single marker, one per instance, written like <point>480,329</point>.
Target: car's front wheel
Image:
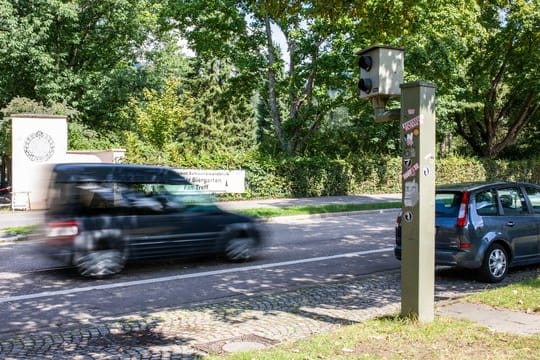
<point>99,263</point>
<point>495,265</point>
<point>240,249</point>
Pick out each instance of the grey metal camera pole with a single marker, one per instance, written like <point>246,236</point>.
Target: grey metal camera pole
<point>418,190</point>
<point>381,77</point>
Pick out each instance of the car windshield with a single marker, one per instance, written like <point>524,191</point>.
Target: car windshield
<point>447,204</point>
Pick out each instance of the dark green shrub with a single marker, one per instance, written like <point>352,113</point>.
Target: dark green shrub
<point>513,170</point>
<point>317,176</point>
<point>452,170</point>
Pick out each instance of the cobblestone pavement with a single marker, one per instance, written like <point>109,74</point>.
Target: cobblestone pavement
<point>246,322</point>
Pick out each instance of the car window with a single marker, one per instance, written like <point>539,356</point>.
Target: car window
<point>511,200</point>
<point>131,198</point>
<point>447,204</point>
<point>485,203</point>
<point>534,197</point>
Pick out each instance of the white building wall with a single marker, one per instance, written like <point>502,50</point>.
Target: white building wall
<point>37,142</point>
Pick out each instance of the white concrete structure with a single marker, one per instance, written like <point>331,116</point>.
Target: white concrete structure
<point>38,141</point>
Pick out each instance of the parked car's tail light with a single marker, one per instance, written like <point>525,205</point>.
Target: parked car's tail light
<point>398,230</point>
<point>64,230</point>
<point>463,209</point>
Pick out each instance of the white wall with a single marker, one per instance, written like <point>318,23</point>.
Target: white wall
<point>37,142</point>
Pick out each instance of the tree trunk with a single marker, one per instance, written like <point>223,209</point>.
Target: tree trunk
<point>274,109</point>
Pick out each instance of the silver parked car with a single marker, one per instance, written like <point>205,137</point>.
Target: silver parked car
<point>488,226</point>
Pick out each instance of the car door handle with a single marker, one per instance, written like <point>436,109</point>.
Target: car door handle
<point>510,223</point>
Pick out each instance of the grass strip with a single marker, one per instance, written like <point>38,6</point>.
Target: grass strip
<point>393,337</point>
<point>22,230</point>
<point>319,209</point>
<point>521,296</point>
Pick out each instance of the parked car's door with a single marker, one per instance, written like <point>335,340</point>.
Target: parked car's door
<point>533,196</point>
<point>518,223</point>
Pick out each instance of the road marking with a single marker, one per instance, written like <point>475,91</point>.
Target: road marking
<point>187,276</point>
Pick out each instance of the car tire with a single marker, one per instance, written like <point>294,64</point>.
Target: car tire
<point>239,249</point>
<point>495,264</point>
<point>100,263</point>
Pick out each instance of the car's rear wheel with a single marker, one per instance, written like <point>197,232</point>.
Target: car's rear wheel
<point>240,249</point>
<point>99,263</point>
<point>495,264</point>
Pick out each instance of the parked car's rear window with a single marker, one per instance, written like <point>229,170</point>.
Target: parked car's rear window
<point>447,204</point>
<point>486,203</point>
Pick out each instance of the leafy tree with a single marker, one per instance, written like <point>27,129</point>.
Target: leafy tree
<point>304,80</point>
<point>223,119</point>
<point>162,122</point>
<point>484,58</point>
<point>82,137</point>
<point>83,53</point>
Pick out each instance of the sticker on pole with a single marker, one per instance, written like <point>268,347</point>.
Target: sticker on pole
<point>411,171</point>
<point>408,216</point>
<point>410,195</point>
<point>412,123</point>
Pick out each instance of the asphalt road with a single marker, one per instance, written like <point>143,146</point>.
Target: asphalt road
<point>301,252</point>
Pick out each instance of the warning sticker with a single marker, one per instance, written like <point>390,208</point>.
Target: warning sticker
<point>413,123</point>
<point>411,171</point>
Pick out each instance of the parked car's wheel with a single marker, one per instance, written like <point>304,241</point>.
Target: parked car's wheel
<point>100,263</point>
<point>495,264</point>
<point>239,249</point>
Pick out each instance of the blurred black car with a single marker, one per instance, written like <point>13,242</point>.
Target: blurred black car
<point>100,216</point>
<point>5,195</point>
<point>485,226</point>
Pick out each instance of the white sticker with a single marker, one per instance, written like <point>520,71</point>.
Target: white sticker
<point>408,216</point>
<point>410,193</point>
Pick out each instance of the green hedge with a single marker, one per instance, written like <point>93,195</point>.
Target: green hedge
<point>457,169</point>
<point>320,176</point>
<point>270,177</point>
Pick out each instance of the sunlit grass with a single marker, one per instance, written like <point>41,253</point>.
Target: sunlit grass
<point>20,230</point>
<point>397,338</point>
<point>319,209</point>
<point>522,296</point>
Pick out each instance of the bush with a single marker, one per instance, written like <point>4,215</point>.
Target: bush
<point>318,176</point>
<point>522,170</point>
<point>274,177</point>
<point>458,169</point>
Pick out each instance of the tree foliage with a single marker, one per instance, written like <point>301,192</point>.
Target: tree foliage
<point>162,120</point>
<point>73,52</point>
<point>286,70</point>
<point>484,59</point>
<point>223,117</point>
